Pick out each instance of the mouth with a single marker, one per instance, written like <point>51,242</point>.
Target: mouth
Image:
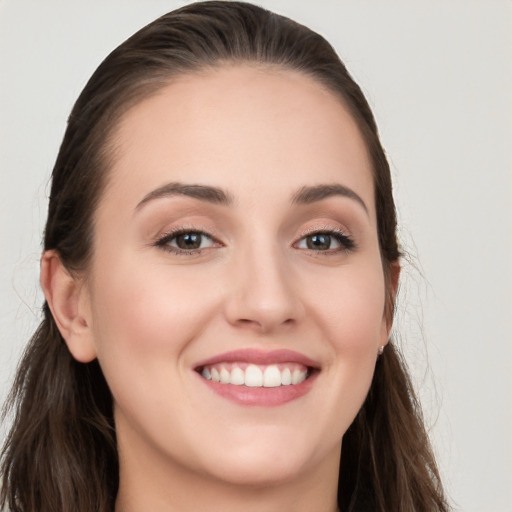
<point>253,377</point>
<point>256,376</point>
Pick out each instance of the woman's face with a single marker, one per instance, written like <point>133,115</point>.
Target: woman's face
<point>236,240</point>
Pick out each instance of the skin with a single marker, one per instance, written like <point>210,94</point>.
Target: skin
<point>150,314</point>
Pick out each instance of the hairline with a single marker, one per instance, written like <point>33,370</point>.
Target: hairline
<point>154,85</point>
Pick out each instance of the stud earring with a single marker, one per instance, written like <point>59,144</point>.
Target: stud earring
<point>381,350</point>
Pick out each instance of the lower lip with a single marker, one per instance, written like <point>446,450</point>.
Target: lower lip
<point>261,396</point>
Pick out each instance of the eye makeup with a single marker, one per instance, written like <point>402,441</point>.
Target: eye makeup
<point>186,241</point>
<point>326,240</point>
<point>190,241</point>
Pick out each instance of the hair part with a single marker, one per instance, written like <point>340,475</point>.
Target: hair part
<point>61,451</point>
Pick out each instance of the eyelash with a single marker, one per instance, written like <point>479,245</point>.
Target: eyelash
<point>164,241</point>
<point>346,242</point>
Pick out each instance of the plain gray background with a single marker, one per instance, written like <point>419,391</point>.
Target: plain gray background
<point>439,77</point>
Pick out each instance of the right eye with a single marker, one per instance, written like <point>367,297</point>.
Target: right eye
<point>186,242</point>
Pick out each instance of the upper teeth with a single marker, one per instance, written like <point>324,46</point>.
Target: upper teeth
<point>256,376</point>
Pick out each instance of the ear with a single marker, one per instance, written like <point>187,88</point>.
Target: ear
<point>392,280</point>
<point>67,298</point>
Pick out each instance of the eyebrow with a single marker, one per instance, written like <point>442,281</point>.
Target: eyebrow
<point>307,195</point>
<point>204,192</point>
<point>215,195</point>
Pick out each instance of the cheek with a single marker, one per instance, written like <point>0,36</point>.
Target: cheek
<point>352,316</point>
<point>352,310</point>
<point>147,304</point>
<point>143,318</point>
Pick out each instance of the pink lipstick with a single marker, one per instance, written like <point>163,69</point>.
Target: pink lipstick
<point>255,377</point>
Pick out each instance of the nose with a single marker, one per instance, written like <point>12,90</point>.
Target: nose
<point>262,293</point>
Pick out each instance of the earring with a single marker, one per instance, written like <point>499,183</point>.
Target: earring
<point>381,350</point>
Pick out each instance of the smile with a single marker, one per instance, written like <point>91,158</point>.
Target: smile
<point>256,376</point>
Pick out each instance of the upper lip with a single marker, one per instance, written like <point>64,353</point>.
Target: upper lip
<point>261,357</point>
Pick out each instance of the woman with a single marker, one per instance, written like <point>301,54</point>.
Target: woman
<point>220,268</point>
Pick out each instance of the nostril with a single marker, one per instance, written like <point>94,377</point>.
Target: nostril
<point>246,322</point>
<point>264,325</point>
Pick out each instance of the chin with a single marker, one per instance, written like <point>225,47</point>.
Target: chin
<point>255,470</point>
<point>266,460</point>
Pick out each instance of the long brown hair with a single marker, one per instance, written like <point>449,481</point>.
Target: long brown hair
<point>61,451</point>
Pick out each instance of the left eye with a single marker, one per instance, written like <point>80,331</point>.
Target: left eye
<point>188,241</point>
<point>324,242</point>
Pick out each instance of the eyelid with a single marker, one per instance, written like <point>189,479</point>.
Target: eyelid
<point>325,228</point>
<point>162,240</point>
<point>186,228</point>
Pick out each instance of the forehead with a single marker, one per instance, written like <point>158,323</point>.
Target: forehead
<point>249,129</point>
